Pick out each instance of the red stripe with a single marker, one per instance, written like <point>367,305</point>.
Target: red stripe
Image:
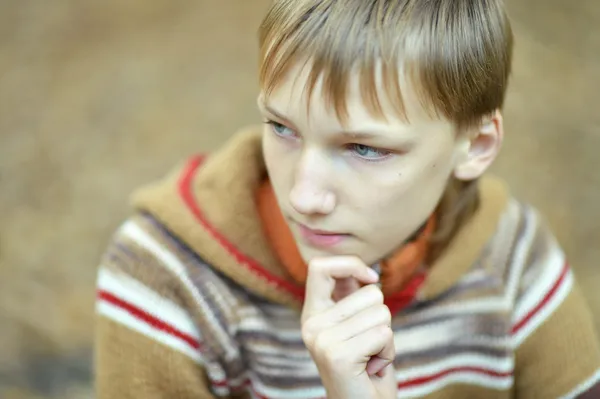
<point>186,192</point>
<point>441,374</point>
<point>549,295</point>
<point>148,318</point>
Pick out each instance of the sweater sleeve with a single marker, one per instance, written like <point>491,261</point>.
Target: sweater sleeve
<point>557,348</point>
<point>147,344</point>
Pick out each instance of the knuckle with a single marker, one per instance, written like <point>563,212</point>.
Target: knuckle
<point>375,293</point>
<point>385,332</point>
<point>322,347</point>
<point>309,332</point>
<point>333,355</point>
<point>385,314</point>
<point>315,265</point>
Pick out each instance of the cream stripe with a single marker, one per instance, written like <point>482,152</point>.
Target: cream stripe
<point>545,312</point>
<point>170,261</point>
<point>291,393</point>
<point>121,316</point>
<point>546,276</point>
<point>429,336</point>
<point>142,297</point>
<point>494,303</point>
<point>256,324</point>
<point>125,318</point>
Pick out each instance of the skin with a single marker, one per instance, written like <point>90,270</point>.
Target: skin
<point>374,181</point>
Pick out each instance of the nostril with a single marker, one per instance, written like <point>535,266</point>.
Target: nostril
<point>307,200</point>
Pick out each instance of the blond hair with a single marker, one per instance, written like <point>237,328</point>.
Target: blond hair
<point>455,53</point>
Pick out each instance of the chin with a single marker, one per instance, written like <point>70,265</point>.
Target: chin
<point>309,253</point>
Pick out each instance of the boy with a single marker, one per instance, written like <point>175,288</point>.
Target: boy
<point>351,248</point>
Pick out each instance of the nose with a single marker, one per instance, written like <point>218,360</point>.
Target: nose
<point>309,194</point>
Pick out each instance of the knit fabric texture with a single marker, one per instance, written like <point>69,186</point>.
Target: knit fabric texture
<point>194,303</point>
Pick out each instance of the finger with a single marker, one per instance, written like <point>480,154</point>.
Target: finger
<point>344,287</point>
<point>359,350</point>
<point>382,351</point>
<point>377,364</point>
<point>354,314</point>
<point>322,274</point>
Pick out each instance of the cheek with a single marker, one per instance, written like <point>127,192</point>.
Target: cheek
<point>430,172</point>
<point>279,162</point>
<point>401,203</point>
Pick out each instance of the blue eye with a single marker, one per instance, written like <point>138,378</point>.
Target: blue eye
<point>369,153</point>
<point>281,130</point>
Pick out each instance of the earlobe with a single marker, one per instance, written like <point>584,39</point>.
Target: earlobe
<point>482,149</point>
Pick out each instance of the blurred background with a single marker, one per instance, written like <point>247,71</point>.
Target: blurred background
<point>97,98</point>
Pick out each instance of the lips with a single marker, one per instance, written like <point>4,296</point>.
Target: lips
<point>321,238</point>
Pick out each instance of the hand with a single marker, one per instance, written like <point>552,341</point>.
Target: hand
<point>347,329</point>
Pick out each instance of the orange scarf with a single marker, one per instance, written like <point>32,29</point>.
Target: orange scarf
<point>400,276</point>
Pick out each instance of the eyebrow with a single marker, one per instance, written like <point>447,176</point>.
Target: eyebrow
<point>275,113</point>
<point>353,134</point>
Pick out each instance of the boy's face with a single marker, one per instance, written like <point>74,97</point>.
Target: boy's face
<point>364,188</point>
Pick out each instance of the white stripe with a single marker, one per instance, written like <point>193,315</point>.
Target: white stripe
<point>287,362</point>
<point>546,311</point>
<point>464,377</point>
<point>135,293</point>
<point>147,300</point>
<point>291,393</point>
<point>494,303</point>
<point>221,390</point>
<point>133,231</point>
<point>125,318</point>
<point>429,336</point>
<point>496,342</point>
<point>542,283</point>
<point>594,379</point>
<point>502,365</point>
<point>260,325</point>
<point>468,377</point>
<point>273,370</point>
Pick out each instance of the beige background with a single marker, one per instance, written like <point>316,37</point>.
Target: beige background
<point>98,97</point>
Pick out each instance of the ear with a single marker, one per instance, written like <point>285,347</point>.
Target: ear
<point>479,149</point>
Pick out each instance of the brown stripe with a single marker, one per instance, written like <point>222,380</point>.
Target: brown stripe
<point>126,256</point>
<point>468,392</point>
<point>561,354</point>
<point>131,366</point>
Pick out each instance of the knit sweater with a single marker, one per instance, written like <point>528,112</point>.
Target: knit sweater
<point>193,303</point>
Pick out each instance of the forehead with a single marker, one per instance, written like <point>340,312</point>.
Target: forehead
<point>294,97</point>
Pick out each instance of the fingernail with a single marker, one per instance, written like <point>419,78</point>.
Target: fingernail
<point>373,274</point>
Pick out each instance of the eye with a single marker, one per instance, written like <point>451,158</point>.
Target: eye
<point>281,130</point>
<point>368,153</point>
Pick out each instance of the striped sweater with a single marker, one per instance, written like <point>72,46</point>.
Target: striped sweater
<point>192,303</point>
